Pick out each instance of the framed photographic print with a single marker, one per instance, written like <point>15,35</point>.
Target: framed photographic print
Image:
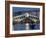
<point>24,18</point>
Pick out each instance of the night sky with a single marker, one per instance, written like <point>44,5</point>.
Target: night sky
<point>16,9</point>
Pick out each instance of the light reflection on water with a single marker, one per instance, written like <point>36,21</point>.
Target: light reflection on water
<point>20,26</point>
